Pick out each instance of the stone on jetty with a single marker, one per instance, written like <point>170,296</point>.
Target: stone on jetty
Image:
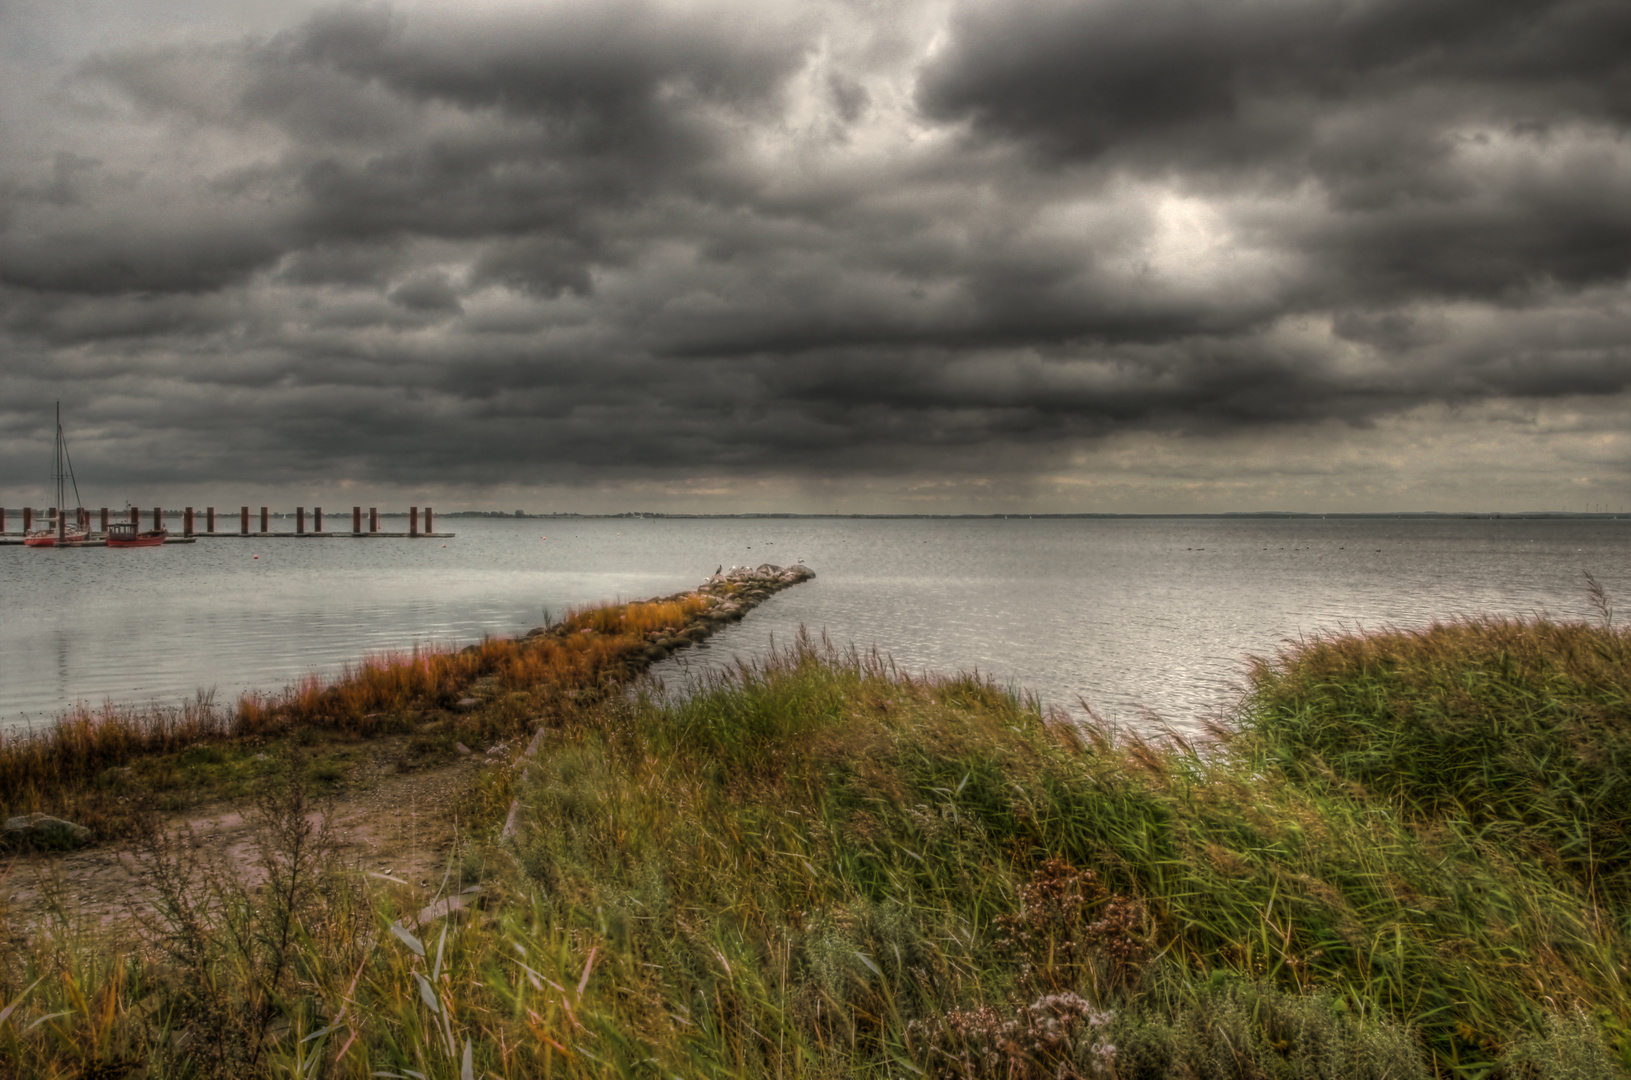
<point>739,590</point>
<point>45,829</point>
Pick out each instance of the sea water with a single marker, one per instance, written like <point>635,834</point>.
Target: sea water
<point>1137,617</point>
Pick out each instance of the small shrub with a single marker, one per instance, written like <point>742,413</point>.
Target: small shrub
<point>1056,1037</point>
<point>1069,925</point>
<point>1572,1048</point>
<point>1243,1030</point>
<point>231,948</point>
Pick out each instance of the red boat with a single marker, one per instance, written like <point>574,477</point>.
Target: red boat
<point>56,537</point>
<point>123,534</point>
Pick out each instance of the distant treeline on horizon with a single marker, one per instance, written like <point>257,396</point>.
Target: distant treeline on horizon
<point>1465,514</point>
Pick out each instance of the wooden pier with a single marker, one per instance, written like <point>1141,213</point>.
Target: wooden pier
<point>96,540</point>
<point>190,531</point>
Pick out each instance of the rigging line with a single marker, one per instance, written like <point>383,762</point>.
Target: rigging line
<point>77,500</point>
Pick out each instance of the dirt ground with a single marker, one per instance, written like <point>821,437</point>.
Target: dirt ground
<point>393,826</point>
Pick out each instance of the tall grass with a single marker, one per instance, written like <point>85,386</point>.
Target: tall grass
<point>819,866</point>
<point>1514,730</point>
<point>870,834</point>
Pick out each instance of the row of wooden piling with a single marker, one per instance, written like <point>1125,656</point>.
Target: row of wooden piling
<point>189,522</point>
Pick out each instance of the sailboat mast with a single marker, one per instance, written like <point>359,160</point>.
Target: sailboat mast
<point>62,494</point>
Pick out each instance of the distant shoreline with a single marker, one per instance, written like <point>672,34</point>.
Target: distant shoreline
<point>1232,515</point>
<point>1525,515</point>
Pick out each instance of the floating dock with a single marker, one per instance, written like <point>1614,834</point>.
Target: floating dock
<point>96,540</point>
<point>322,536</point>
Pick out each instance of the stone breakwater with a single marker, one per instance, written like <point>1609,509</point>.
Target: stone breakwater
<point>731,594</point>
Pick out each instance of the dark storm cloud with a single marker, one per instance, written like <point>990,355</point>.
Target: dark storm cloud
<point>1375,103</point>
<point>1240,81</point>
<point>633,239</point>
<point>593,69</point>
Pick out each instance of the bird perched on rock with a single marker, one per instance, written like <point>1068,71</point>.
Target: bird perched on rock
<point>719,568</point>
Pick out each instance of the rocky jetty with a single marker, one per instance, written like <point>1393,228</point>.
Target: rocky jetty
<point>730,594</point>
<point>734,593</point>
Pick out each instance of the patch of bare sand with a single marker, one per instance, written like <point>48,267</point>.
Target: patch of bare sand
<point>386,824</point>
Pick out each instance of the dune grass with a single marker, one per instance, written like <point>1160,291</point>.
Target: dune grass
<point>1516,730</point>
<point>820,866</point>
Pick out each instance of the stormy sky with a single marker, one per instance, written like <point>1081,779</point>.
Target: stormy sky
<point>825,256</point>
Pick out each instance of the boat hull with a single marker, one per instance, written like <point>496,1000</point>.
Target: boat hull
<point>145,539</point>
<point>53,540</point>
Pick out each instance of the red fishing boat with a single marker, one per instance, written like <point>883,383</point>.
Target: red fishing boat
<point>60,533</point>
<point>123,534</point>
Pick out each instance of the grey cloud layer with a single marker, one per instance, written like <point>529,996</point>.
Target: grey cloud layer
<point>1387,108</point>
<point>627,239</point>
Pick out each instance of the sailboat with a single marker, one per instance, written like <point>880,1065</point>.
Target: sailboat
<point>61,533</point>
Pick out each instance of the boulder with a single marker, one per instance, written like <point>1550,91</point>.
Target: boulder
<point>48,830</point>
<point>466,704</point>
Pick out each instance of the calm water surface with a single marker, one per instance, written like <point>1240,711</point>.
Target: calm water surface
<point>1132,615</point>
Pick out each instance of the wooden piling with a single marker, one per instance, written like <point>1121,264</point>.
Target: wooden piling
<point>317,519</point>
<point>209,519</point>
<point>2,519</point>
<point>373,519</point>
<point>413,521</point>
<point>28,519</point>
<point>266,520</point>
<point>135,517</point>
<point>104,520</point>
<point>430,521</point>
<point>158,518</point>
<point>300,521</point>
<point>187,522</point>
<point>356,521</point>
<point>243,521</point>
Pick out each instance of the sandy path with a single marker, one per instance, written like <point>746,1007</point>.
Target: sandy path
<point>384,822</point>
